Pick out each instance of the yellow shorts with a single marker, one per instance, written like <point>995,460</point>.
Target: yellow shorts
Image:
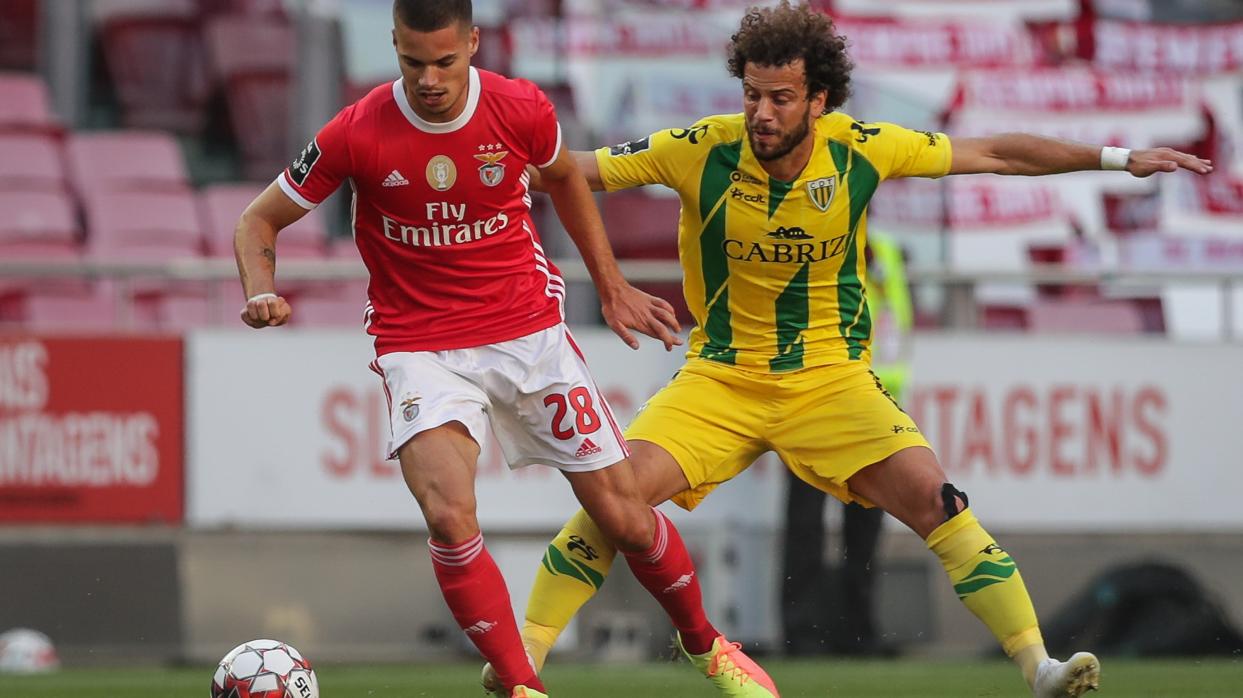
<point>826,423</point>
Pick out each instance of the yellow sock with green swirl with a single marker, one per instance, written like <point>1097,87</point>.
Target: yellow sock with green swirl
<point>987,581</point>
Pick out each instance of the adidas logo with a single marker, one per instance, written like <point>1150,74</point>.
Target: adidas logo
<point>588,448</point>
<point>394,179</point>
<point>479,628</point>
<point>683,582</point>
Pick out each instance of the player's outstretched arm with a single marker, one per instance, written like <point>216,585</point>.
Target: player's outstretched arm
<point>587,166</point>
<point>625,307</point>
<point>1026,154</point>
<point>254,246</point>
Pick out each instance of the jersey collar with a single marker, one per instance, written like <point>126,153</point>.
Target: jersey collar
<point>472,101</point>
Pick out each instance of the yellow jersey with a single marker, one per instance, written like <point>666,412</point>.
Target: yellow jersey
<point>774,271</point>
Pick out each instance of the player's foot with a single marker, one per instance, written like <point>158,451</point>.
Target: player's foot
<point>524,692</point>
<point>492,683</point>
<point>1073,677</point>
<point>731,671</point>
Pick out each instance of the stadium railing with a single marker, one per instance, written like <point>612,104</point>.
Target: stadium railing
<point>960,305</point>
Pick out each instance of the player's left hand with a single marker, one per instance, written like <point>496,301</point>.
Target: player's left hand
<point>627,308</point>
<point>1143,163</point>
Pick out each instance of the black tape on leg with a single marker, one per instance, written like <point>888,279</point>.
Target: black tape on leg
<point>949,499</point>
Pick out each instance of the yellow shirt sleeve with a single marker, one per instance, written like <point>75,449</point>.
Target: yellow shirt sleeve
<point>897,151</point>
<point>665,157</point>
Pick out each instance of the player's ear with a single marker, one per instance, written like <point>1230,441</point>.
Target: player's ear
<point>394,33</point>
<point>474,40</point>
<point>818,101</point>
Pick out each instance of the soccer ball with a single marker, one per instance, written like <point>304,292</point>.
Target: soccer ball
<point>264,669</point>
<point>25,651</point>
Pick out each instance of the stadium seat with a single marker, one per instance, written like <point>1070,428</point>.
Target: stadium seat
<point>24,104</point>
<point>41,226</point>
<point>19,35</point>
<point>253,61</point>
<point>168,228</point>
<point>336,304</point>
<point>642,226</point>
<point>38,225</point>
<point>125,161</point>
<point>154,55</point>
<point>1003,317</point>
<point>89,308</point>
<point>1086,317</point>
<point>253,8</point>
<point>143,226</point>
<point>222,204</point>
<point>31,162</point>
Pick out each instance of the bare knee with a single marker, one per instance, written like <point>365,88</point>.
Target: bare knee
<point>630,527</point>
<point>450,522</point>
<point>942,503</point>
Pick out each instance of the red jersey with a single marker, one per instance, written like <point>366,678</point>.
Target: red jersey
<point>441,212</point>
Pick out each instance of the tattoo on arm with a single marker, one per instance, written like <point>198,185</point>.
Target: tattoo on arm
<point>269,255</point>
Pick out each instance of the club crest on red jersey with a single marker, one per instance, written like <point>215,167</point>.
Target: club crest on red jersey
<point>491,172</point>
<point>441,173</point>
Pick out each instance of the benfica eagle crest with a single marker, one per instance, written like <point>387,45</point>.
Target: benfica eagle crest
<point>491,172</point>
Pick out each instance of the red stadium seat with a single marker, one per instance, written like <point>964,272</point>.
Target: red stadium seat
<point>254,61</point>
<point>642,226</point>
<point>91,308</point>
<point>31,162</point>
<point>1003,317</point>
<point>38,225</point>
<point>338,304</point>
<point>154,54</point>
<point>253,8</point>
<point>152,227</point>
<point>143,226</point>
<point>24,104</point>
<point>1095,317</point>
<point>19,34</point>
<point>125,160</point>
<point>222,205</point>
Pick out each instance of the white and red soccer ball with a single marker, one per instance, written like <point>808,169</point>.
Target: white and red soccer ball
<point>264,669</point>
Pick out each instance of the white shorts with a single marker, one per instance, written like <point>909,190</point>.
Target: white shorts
<point>535,391</point>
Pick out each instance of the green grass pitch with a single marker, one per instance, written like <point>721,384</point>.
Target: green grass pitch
<point>802,679</point>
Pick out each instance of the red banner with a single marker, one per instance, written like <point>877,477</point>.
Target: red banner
<point>1191,49</point>
<point>1069,89</point>
<point>929,43</point>
<point>91,430</point>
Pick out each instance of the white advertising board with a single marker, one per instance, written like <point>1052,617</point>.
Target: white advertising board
<point>287,430</point>
<point>1086,433</point>
<point>1050,433</point>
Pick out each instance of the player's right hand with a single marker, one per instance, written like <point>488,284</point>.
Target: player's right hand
<point>266,310</point>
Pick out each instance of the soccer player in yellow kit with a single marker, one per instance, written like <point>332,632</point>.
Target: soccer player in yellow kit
<point>771,240</point>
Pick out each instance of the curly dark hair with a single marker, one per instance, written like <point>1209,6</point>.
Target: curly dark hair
<point>782,34</point>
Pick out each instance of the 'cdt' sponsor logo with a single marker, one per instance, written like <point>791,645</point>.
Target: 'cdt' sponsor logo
<point>737,193</point>
<point>785,252</point>
<point>438,233</point>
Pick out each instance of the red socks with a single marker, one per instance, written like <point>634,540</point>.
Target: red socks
<point>667,572</point>
<point>479,600</point>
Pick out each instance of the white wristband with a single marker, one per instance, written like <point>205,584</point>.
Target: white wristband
<point>259,297</point>
<point>1115,158</point>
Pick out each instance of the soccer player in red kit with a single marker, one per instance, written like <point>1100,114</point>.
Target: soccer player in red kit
<point>466,311</point>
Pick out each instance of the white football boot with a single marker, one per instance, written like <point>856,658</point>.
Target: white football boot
<point>1069,679</point>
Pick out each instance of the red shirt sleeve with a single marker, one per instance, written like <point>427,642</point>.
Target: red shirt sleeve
<point>545,132</point>
<point>321,166</point>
